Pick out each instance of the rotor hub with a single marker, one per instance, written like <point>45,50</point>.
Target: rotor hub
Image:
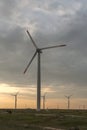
<point>39,50</point>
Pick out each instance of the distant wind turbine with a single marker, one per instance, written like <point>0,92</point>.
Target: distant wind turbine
<point>15,95</point>
<point>44,99</point>
<point>68,97</point>
<point>38,53</point>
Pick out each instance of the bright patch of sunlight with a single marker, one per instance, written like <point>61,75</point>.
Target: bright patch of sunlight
<point>6,88</point>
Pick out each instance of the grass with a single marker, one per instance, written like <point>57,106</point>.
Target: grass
<point>33,120</point>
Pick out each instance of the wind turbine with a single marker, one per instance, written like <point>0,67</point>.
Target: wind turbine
<point>44,99</point>
<point>68,97</point>
<point>15,95</point>
<point>38,53</point>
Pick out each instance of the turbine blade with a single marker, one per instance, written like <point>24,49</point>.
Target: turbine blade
<point>70,95</point>
<point>17,93</point>
<point>12,94</point>
<point>45,94</point>
<point>30,62</point>
<point>32,39</point>
<point>62,45</point>
<point>4,93</point>
<point>67,96</point>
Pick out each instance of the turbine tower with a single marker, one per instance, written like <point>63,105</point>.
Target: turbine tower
<point>38,53</point>
<point>15,95</point>
<point>68,97</point>
<point>44,99</point>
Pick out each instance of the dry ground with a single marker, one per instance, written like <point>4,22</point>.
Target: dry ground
<point>32,120</point>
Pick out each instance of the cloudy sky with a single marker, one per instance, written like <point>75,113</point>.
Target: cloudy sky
<point>64,70</point>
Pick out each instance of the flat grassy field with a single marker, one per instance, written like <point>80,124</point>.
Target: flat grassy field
<point>28,119</point>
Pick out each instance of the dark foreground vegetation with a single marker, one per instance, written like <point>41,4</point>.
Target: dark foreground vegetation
<point>28,119</point>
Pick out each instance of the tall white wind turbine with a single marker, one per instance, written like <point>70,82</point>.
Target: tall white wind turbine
<point>68,97</point>
<point>44,99</point>
<point>38,53</point>
<point>15,95</point>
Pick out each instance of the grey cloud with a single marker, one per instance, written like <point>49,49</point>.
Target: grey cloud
<point>61,66</point>
<point>7,8</point>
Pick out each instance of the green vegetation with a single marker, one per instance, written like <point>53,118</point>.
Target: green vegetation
<point>32,120</point>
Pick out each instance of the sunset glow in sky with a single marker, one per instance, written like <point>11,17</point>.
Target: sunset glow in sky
<point>63,70</point>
